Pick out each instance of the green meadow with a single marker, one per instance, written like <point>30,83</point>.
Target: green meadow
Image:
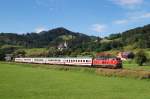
<point>26,81</point>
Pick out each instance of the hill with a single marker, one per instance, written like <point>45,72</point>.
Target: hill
<point>137,38</point>
<point>42,39</point>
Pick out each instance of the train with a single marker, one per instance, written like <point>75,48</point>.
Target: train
<point>103,62</point>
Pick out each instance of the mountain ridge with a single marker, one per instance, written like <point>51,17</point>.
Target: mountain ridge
<point>41,39</point>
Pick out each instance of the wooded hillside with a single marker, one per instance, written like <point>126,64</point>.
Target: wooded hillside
<point>61,41</point>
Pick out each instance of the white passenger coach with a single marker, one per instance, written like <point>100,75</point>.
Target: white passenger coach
<point>86,61</point>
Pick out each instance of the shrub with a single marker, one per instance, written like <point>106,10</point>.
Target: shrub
<point>141,57</point>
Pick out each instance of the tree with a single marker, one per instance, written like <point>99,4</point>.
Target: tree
<point>7,49</point>
<point>131,55</point>
<point>2,54</point>
<point>114,36</point>
<point>141,57</point>
<point>105,46</point>
<point>19,53</point>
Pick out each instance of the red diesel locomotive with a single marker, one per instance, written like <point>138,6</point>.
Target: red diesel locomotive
<point>107,62</point>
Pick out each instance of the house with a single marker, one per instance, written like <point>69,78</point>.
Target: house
<point>8,57</point>
<point>125,55</point>
<point>62,46</point>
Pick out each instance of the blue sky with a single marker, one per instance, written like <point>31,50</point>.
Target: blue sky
<point>93,17</point>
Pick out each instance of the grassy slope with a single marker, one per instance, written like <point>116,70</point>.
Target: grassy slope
<point>24,82</point>
<point>34,51</point>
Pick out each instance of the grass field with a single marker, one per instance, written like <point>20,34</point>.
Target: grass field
<point>22,81</point>
<point>134,66</point>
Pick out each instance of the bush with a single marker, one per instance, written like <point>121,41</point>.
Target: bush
<point>2,54</point>
<point>141,57</point>
<point>148,62</point>
<point>19,53</point>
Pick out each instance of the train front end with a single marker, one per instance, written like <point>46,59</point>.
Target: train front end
<point>107,61</point>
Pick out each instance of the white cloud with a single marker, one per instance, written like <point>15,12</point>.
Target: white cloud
<point>128,3</point>
<point>147,15</point>
<point>123,21</point>
<point>134,17</point>
<point>140,16</point>
<point>44,3</point>
<point>40,29</point>
<point>98,27</point>
<point>48,4</point>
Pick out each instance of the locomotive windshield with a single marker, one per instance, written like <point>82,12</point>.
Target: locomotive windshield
<point>105,57</point>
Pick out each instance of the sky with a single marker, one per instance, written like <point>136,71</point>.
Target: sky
<point>92,17</point>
